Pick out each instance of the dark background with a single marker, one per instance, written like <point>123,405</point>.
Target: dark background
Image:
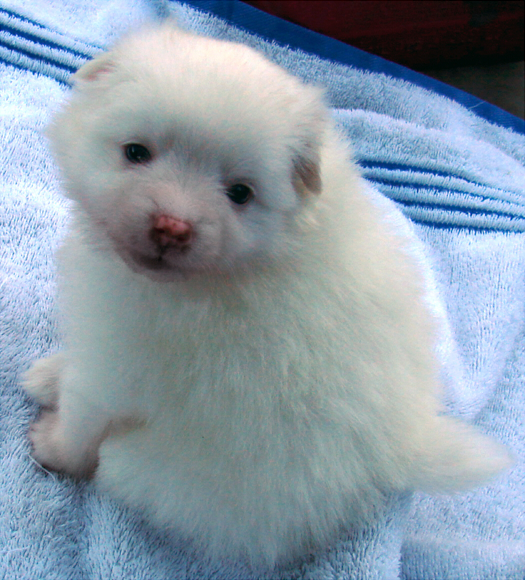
<point>477,46</point>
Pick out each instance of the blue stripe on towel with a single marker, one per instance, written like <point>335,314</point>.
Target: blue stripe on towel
<point>437,197</point>
<point>35,32</point>
<point>27,44</point>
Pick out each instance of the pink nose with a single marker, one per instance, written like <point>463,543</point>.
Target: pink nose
<point>168,231</point>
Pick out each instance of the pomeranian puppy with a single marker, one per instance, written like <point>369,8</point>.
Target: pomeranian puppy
<point>247,352</point>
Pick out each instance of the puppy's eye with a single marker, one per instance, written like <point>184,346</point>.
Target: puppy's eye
<point>240,193</point>
<point>137,153</point>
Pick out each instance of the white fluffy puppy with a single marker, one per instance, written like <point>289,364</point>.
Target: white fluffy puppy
<point>248,356</point>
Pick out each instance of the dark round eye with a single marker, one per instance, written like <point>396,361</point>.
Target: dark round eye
<point>137,153</point>
<point>240,193</point>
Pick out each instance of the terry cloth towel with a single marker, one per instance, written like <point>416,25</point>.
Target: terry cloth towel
<point>451,169</point>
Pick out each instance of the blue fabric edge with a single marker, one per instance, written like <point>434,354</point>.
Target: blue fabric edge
<point>290,34</point>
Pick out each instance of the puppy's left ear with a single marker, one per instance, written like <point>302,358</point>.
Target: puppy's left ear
<point>306,160</point>
<point>306,172</point>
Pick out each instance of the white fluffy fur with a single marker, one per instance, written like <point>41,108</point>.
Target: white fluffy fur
<point>268,386</point>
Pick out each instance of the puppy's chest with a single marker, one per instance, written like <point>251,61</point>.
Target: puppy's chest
<point>228,353</point>
<point>272,372</point>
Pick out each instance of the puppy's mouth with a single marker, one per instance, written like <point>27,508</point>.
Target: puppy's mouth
<point>166,267</point>
<point>156,264</point>
<point>157,267</point>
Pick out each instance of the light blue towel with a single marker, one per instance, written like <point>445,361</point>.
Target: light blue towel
<point>453,165</point>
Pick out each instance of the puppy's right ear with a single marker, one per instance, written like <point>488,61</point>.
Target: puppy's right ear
<point>94,70</point>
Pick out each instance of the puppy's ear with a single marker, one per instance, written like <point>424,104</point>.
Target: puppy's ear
<point>94,70</point>
<point>312,124</point>
<point>306,174</point>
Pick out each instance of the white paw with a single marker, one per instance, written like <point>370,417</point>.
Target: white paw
<point>42,380</point>
<point>43,436</point>
<point>52,450</point>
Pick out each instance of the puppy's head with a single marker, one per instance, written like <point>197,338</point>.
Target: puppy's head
<point>189,154</point>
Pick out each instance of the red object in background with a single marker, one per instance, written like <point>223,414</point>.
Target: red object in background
<point>419,34</point>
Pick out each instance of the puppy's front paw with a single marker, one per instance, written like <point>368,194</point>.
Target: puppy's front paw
<point>41,381</point>
<point>50,448</point>
<point>46,447</point>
